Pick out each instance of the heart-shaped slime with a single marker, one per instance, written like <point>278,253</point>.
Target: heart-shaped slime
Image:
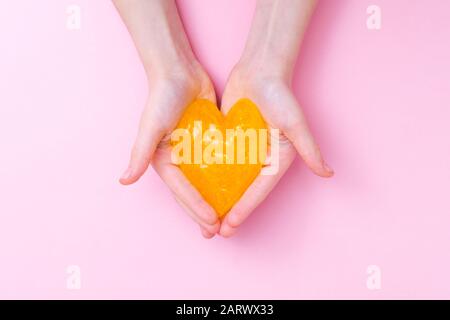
<point>221,155</point>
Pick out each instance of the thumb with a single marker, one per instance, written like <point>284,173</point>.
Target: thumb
<point>149,135</point>
<point>298,132</point>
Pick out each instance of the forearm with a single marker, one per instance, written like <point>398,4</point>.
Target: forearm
<point>158,33</point>
<point>276,34</point>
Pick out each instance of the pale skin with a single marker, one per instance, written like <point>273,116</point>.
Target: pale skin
<point>176,78</point>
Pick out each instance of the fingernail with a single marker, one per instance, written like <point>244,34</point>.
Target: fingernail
<point>126,175</point>
<point>210,218</point>
<point>206,234</point>
<point>328,168</point>
<point>226,231</point>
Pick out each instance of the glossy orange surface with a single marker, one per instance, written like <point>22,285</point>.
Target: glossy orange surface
<point>222,184</point>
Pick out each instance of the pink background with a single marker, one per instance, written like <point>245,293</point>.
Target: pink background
<point>378,102</point>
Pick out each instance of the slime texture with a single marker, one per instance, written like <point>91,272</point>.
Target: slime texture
<point>222,184</point>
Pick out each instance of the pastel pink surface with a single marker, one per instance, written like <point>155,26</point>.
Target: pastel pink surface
<point>378,102</point>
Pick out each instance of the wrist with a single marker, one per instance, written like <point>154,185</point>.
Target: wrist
<point>262,67</point>
<point>165,48</point>
<point>275,36</point>
<point>182,72</point>
<point>170,62</point>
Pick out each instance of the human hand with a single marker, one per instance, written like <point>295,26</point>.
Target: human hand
<point>273,95</point>
<point>264,75</point>
<point>175,79</point>
<point>169,95</point>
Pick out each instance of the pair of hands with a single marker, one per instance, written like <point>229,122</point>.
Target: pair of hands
<point>176,78</point>
<point>170,93</point>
